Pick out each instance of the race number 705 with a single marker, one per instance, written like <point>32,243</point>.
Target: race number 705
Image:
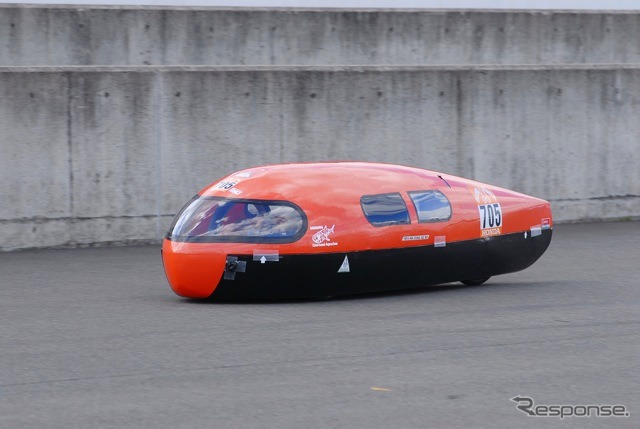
<point>490,215</point>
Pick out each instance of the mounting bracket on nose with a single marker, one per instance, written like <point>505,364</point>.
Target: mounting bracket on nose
<point>233,266</point>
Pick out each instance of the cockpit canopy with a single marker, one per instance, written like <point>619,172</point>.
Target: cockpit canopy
<point>215,219</point>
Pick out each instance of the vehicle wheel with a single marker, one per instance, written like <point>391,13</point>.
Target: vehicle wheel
<point>475,282</point>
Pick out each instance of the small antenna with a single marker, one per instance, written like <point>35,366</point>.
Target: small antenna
<point>444,180</point>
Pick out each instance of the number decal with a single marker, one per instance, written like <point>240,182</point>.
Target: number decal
<point>489,211</point>
<point>490,219</point>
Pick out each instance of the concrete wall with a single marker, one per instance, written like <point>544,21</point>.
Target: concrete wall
<point>110,154</point>
<point>102,35</point>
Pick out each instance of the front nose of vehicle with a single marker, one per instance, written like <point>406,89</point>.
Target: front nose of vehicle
<point>192,269</point>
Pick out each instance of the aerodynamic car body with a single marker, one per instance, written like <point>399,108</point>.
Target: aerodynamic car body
<point>319,230</point>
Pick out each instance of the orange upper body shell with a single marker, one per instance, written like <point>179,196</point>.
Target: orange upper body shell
<point>330,193</point>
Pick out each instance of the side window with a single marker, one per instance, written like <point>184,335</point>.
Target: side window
<point>385,209</point>
<point>431,206</point>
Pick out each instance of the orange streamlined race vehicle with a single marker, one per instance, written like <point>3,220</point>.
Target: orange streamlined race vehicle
<point>328,229</point>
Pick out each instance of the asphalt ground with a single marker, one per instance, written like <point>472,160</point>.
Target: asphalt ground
<point>95,338</point>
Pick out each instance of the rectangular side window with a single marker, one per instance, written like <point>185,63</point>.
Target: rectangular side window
<point>385,209</point>
<point>431,206</point>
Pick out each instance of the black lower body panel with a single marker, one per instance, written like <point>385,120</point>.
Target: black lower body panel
<point>312,276</point>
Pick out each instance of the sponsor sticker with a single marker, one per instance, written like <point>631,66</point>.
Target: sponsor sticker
<point>440,241</point>
<point>483,195</point>
<point>536,231</point>
<point>415,237</point>
<point>322,238</point>
<point>545,223</point>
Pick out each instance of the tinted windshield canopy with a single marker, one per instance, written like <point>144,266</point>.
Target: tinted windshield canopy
<point>214,219</point>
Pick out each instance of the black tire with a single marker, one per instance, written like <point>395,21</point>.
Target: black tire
<point>475,282</point>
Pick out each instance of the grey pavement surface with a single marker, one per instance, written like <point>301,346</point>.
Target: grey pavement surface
<point>94,338</point>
